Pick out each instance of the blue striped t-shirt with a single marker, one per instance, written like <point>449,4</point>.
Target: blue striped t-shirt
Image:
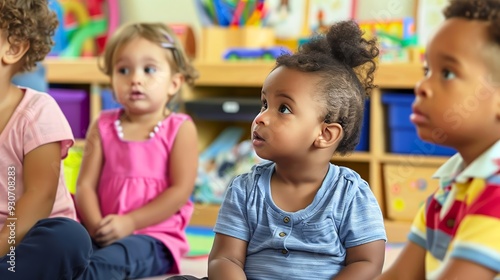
<point>308,244</point>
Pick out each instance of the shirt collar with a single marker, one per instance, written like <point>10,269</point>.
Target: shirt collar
<point>486,165</point>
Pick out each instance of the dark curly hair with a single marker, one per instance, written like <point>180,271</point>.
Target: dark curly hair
<point>345,62</point>
<point>29,21</point>
<point>483,10</point>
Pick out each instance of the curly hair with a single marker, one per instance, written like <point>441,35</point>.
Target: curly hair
<point>29,21</point>
<point>155,32</point>
<point>483,10</point>
<point>345,61</point>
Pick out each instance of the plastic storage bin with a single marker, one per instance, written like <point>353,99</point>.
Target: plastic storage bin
<point>225,109</point>
<point>74,104</point>
<point>403,137</point>
<point>365,130</point>
<point>108,101</point>
<point>71,168</point>
<point>407,187</point>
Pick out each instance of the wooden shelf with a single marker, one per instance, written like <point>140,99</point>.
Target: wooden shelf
<point>413,159</point>
<point>398,75</point>
<point>248,74</point>
<point>354,157</point>
<point>235,74</point>
<point>74,71</point>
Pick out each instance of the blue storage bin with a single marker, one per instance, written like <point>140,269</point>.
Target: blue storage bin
<point>108,101</point>
<point>365,130</point>
<point>403,138</point>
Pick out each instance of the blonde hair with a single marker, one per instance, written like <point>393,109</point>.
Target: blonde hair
<point>157,33</point>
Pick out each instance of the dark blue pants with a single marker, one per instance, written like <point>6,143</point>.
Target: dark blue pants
<point>185,277</point>
<point>55,248</point>
<point>135,256</point>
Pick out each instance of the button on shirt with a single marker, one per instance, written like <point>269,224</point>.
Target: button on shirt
<point>306,243</point>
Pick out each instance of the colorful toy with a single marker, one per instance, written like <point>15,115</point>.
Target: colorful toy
<point>397,38</point>
<point>84,26</point>
<point>403,28</point>
<point>255,53</point>
<point>88,31</point>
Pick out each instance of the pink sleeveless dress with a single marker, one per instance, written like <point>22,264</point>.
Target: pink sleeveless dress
<point>136,172</point>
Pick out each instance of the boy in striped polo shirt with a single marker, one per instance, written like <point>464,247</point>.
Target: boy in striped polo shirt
<point>456,234</point>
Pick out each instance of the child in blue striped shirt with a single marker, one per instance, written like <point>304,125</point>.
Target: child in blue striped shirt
<point>298,216</point>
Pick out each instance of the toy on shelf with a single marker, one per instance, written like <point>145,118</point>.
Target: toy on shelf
<point>232,13</point>
<point>84,26</point>
<point>234,24</point>
<point>255,53</point>
<point>397,38</point>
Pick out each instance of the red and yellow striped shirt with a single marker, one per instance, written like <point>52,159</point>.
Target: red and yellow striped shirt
<point>462,219</point>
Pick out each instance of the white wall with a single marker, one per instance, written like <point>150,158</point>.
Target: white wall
<point>170,11</point>
<point>384,9</point>
<point>184,11</point>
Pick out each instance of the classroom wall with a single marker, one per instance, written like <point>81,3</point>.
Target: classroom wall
<point>383,9</point>
<point>183,11</point>
<point>170,11</point>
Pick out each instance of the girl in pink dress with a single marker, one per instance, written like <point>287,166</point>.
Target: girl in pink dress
<point>140,162</point>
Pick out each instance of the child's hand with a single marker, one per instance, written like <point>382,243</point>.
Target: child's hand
<point>112,228</point>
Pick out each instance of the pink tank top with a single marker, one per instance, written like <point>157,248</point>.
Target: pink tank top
<point>136,172</point>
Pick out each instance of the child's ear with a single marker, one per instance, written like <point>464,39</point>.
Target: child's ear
<point>331,134</point>
<point>176,82</point>
<point>15,52</point>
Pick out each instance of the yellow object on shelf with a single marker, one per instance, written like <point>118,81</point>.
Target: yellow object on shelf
<point>72,168</point>
<point>216,40</point>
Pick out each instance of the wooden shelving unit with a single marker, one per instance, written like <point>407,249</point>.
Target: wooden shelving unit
<point>222,74</point>
<point>246,79</point>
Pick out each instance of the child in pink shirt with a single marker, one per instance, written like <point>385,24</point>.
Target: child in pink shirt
<point>39,237</point>
<point>140,164</point>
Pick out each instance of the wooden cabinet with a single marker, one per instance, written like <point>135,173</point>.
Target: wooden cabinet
<point>245,80</point>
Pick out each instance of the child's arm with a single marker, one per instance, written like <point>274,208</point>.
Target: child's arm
<point>86,198</point>
<point>41,170</point>
<point>183,171</point>
<point>464,269</point>
<point>362,232</point>
<point>363,261</point>
<point>410,264</point>
<point>227,258</point>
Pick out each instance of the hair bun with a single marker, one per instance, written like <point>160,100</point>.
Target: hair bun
<point>348,45</point>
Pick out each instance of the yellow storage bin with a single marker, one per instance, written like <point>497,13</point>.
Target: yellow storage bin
<point>72,167</point>
<point>407,187</point>
<point>216,40</point>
